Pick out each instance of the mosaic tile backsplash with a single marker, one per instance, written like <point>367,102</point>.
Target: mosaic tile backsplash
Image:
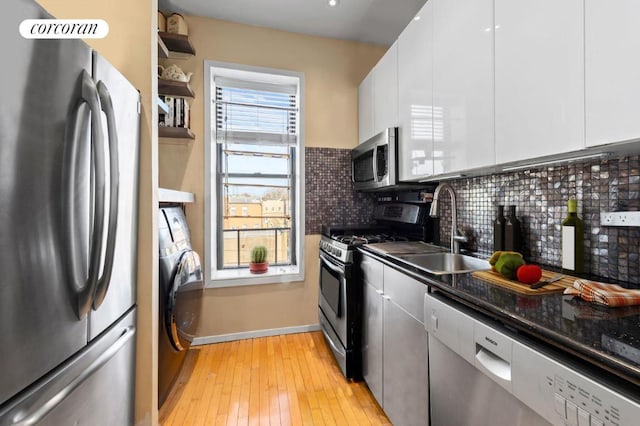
<point>540,196</point>
<point>330,198</point>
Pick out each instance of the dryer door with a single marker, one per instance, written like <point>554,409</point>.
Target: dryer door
<point>184,304</point>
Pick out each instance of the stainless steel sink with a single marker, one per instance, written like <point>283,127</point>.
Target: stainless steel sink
<point>445,263</point>
<point>396,248</point>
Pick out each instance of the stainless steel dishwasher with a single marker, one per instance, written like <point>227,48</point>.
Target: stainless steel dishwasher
<point>480,373</point>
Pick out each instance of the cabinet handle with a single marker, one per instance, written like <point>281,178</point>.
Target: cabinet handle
<point>385,297</point>
<point>380,292</point>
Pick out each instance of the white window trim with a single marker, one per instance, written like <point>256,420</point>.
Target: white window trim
<point>241,277</point>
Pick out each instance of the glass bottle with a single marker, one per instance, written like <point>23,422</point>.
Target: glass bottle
<point>498,230</point>
<point>573,240</point>
<point>512,232</point>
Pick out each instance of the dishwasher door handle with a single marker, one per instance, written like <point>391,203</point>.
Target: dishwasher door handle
<point>493,366</point>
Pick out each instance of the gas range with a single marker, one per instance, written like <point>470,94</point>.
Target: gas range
<point>394,222</point>
<point>340,300</point>
<point>340,242</point>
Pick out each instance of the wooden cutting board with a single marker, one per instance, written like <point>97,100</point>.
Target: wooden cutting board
<point>496,278</point>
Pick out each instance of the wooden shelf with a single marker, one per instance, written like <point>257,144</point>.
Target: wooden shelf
<point>163,52</point>
<point>175,132</point>
<point>172,45</point>
<point>177,43</point>
<point>173,196</point>
<point>174,88</point>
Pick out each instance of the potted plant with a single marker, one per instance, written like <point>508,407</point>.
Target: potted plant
<point>258,263</point>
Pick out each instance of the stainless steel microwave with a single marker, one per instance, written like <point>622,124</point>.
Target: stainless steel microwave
<point>374,162</point>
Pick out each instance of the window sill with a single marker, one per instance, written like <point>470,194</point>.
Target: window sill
<point>242,277</point>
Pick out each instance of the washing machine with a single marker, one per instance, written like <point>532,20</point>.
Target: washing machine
<point>181,291</point>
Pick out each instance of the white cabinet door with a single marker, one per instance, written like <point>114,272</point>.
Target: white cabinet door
<point>385,91</point>
<point>415,97</point>
<point>373,285</point>
<point>539,60</point>
<point>405,367</point>
<point>365,108</point>
<point>463,126</point>
<point>612,46</point>
<point>404,356</point>
<point>372,341</point>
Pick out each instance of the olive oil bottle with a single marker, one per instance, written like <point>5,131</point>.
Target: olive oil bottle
<point>573,240</point>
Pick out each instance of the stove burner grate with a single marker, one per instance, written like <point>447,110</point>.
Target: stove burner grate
<point>356,240</point>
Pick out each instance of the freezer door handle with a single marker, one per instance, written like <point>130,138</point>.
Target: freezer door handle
<point>114,178</point>
<point>39,409</point>
<point>84,284</point>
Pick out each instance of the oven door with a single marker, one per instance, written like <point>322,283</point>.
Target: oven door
<point>333,302</point>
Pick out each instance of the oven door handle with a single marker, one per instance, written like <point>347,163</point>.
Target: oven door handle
<point>329,264</point>
<point>333,345</point>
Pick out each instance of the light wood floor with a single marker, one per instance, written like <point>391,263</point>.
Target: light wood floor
<point>282,380</point>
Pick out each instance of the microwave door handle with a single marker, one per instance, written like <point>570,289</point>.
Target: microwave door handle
<point>375,164</point>
<point>353,172</point>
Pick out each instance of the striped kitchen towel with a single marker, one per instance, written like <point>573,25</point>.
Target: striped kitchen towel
<point>604,294</point>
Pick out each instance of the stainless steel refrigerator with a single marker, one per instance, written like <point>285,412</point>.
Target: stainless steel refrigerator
<point>69,141</point>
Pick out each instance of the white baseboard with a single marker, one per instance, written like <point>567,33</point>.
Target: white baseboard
<point>205,340</point>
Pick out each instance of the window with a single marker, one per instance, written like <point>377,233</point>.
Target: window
<point>254,161</point>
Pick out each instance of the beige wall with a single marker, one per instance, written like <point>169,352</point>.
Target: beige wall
<point>333,69</point>
<point>130,46</point>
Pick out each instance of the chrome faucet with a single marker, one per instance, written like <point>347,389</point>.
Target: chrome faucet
<point>455,238</point>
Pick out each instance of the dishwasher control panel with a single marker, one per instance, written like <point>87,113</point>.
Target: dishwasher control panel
<point>582,406</point>
<point>566,396</point>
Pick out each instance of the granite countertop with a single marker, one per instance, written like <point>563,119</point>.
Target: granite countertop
<point>608,338</point>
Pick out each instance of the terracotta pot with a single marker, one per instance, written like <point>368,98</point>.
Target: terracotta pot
<point>258,268</point>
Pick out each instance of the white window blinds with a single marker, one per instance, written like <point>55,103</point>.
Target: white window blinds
<point>255,112</point>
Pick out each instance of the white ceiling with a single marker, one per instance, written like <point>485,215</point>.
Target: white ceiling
<point>369,21</point>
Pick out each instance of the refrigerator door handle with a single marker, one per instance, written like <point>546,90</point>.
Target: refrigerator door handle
<point>114,179</point>
<point>40,409</point>
<point>83,285</point>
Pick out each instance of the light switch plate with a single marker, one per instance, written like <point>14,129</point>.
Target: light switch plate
<point>620,219</point>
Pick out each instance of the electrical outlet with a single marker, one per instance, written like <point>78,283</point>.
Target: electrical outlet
<point>620,219</point>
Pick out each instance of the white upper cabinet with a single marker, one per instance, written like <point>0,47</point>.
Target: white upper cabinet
<point>378,96</point>
<point>539,60</point>
<point>385,91</point>
<point>415,97</point>
<point>463,122</point>
<point>365,108</point>
<point>612,73</point>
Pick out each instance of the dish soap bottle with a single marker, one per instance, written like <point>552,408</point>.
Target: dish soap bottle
<point>498,230</point>
<point>512,232</point>
<point>573,240</point>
